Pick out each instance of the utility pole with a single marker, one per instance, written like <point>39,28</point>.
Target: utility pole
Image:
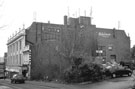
<point>79,12</point>
<point>91,12</point>
<point>68,11</point>
<point>118,24</point>
<point>34,16</point>
<point>85,13</point>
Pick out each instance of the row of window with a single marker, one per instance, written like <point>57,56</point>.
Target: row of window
<point>103,53</point>
<point>16,59</point>
<point>15,46</point>
<point>102,50</point>
<point>51,29</point>
<point>51,37</point>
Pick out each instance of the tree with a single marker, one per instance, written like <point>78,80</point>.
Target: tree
<point>79,42</point>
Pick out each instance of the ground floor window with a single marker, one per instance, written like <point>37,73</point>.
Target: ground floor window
<point>113,57</point>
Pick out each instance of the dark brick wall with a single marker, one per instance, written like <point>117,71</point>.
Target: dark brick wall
<point>52,45</point>
<point>119,41</point>
<point>46,47</point>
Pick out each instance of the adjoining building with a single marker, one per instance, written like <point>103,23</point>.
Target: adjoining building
<point>18,53</point>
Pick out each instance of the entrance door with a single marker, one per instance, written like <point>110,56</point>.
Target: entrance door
<point>113,57</point>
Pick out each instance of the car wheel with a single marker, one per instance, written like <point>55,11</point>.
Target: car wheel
<point>129,74</point>
<point>113,75</point>
<point>11,81</point>
<point>14,81</point>
<point>23,81</point>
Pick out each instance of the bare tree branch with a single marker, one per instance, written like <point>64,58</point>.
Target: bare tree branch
<point>1,3</point>
<point>2,27</point>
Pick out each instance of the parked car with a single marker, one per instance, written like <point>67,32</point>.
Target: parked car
<point>121,72</point>
<point>17,78</point>
<point>130,65</point>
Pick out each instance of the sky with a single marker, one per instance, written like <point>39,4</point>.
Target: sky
<point>105,14</point>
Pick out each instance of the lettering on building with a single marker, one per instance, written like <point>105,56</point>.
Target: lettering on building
<point>104,34</point>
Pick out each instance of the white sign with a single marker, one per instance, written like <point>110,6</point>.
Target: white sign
<point>104,34</point>
<point>99,51</point>
<point>110,48</point>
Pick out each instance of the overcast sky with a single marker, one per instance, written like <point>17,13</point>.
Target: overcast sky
<point>105,13</point>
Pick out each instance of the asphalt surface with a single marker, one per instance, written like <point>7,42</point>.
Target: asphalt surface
<point>117,83</point>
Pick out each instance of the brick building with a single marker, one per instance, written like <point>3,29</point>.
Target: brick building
<point>52,45</point>
<point>45,40</point>
<point>111,44</point>
<point>114,44</point>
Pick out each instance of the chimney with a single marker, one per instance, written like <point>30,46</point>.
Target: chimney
<point>65,20</point>
<point>114,34</point>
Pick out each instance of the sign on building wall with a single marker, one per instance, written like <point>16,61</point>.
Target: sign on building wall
<point>110,47</point>
<point>104,34</point>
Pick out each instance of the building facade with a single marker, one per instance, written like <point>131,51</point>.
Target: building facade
<point>52,45</point>
<point>110,44</point>
<point>113,44</point>
<point>45,49</point>
<point>45,43</point>
<point>18,53</point>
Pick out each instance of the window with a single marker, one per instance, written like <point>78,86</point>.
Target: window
<point>17,46</point>
<point>110,48</point>
<point>13,47</point>
<point>16,59</point>
<point>11,59</point>
<point>113,57</point>
<point>20,44</point>
<point>43,28</point>
<point>104,53</point>
<point>8,50</point>
<point>47,36</point>
<point>58,30</point>
<point>20,58</point>
<point>101,51</point>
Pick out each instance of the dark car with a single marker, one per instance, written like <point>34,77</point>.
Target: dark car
<point>121,72</point>
<point>17,78</point>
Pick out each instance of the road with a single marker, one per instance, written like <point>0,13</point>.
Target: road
<point>117,83</point>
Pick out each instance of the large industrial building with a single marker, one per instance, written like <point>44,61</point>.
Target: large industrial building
<point>52,45</point>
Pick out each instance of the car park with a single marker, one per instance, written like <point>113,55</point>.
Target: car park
<point>17,78</point>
